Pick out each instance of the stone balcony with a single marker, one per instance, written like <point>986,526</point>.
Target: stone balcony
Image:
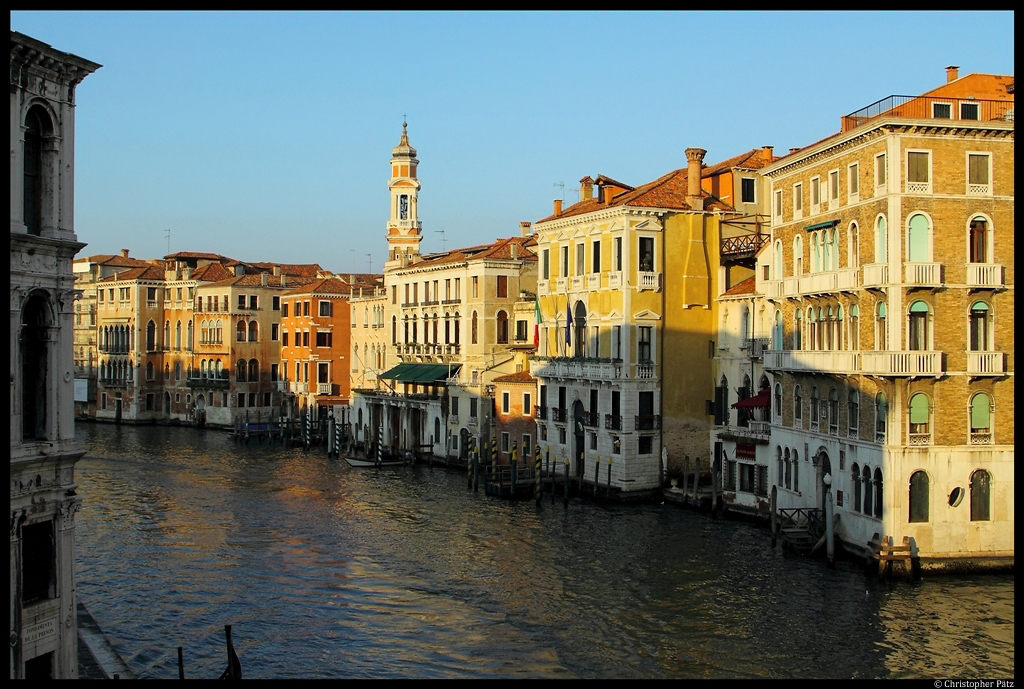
<point>923,274</point>
<point>982,275</point>
<point>875,275</point>
<point>985,364</point>
<point>803,361</point>
<point>906,363</point>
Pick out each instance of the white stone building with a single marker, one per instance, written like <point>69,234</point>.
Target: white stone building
<point>43,446</point>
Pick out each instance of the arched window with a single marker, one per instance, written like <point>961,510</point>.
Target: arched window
<point>866,479</point>
<point>437,430</point>
<point>744,323</point>
<point>827,250</point>
<point>218,332</point>
<point>833,411</point>
<point>254,370</point>
<point>981,419</point>
<point>918,331</point>
<point>822,325</point>
<point>240,332</point>
<point>796,470</point>
<point>881,240</point>
<point>34,370</point>
<point>812,326</point>
<point>254,331</point>
<point>854,336</point>
<point>980,340</point>
<point>777,332</point>
<point>797,330</point>
<point>177,370</point>
<point>240,371</point>
<point>881,411</point>
<point>473,329</point>
<point>814,406</point>
<point>853,246</point>
<point>919,497</point>
<point>918,239</point>
<point>815,254</point>
<point>149,370</point>
<point>920,428</point>
<point>981,482</point>
<point>855,474</point>
<point>778,464</point>
<point>978,236</point>
<point>167,335</point>
<point>798,406</point>
<point>150,336</point>
<point>827,336</point>
<point>188,337</point>
<point>579,324</point>
<point>203,369</point>
<point>789,474</point>
<point>778,403</point>
<point>457,320</point>
<point>38,127</point>
<point>853,411</point>
<point>798,256</point>
<point>394,330</point>
<point>878,493</point>
<point>839,328</point>
<point>177,335</point>
<point>777,268</point>
<point>204,332</point>
<point>502,323</point>
<point>447,328</point>
<point>881,333</point>
<point>167,371</point>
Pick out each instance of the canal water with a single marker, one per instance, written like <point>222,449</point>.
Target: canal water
<point>328,571</point>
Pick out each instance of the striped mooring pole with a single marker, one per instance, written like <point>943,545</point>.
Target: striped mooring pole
<point>536,475</point>
<point>380,440</point>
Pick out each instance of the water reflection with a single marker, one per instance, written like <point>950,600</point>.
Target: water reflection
<point>327,571</point>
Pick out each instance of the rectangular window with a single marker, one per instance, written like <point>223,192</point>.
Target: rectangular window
<point>565,261</point>
<point>646,254</point>
<point>415,292</point>
<point>458,291</point>
<point>323,338</point>
<point>455,406</point>
<point>274,330</point>
<point>645,445</point>
<point>978,168</point>
<point>747,189</point>
<point>580,251</point>
<point>241,301</point>
<point>275,303</point>
<point>151,294</point>
<point>778,205</point>
<point>475,287</point>
<point>595,257</point>
<point>798,199</point>
<point>505,402</point>
<point>502,286</point>
<point>103,401</point>
<point>326,309</point>
<point>527,404</point>
<point>942,111</point>
<point>968,111</point>
<point>284,338</point>
<point>521,327</point>
<point>504,442</point>
<point>273,371</point>
<point>880,170</point>
<point>545,264</point>
<point>447,289</point>
<point>305,308</point>
<point>644,345</point>
<point>305,338</point>
<point>918,169</point>
<point>815,194</point>
<point>618,253</point>
<point>472,407</point>
<point>241,399</point>
<point>252,399</point>
<point>527,447</point>
<point>284,310</point>
<point>38,562</point>
<point>833,185</point>
<point>853,181</point>
<point>617,341</point>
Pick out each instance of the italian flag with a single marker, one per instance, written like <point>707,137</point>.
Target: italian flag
<point>536,326</point>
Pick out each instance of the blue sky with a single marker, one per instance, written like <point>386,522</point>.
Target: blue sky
<point>267,136</point>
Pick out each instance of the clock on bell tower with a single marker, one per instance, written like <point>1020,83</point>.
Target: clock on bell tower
<point>404,228</point>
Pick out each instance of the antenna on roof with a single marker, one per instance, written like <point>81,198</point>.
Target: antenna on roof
<point>561,185</point>
<point>369,263</point>
<point>578,197</point>
<point>441,232</point>
<point>167,233</point>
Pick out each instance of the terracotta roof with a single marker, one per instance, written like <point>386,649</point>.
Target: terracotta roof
<point>517,377</point>
<point>296,269</point>
<point>499,250</point>
<point>115,260</point>
<point>147,273</point>
<point>741,287</point>
<point>256,280</point>
<point>211,272</point>
<point>196,254</point>
<point>331,285</point>
<point>668,191</point>
<point>751,160</point>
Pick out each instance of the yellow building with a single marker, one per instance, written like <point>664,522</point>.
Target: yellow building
<point>889,285</point>
<point>626,293</point>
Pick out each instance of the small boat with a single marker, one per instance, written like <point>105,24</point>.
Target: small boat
<point>354,462</point>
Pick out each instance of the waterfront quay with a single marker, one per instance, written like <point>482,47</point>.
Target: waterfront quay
<point>328,571</point>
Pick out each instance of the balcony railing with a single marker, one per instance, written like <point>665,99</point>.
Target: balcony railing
<point>985,363</point>
<point>984,275</point>
<point>922,108</point>
<point>590,419</point>
<point>540,412</point>
<point>646,280</point>
<point>561,285</point>
<point>756,346</point>
<point>324,389</point>
<point>981,438</point>
<point>812,361</point>
<point>736,247</point>
<point>542,287</point>
<point>848,279</point>
<point>558,415</point>
<point>923,274</point>
<point>919,439</point>
<point>648,422</point>
<point>579,368</point>
<point>876,275</point>
<point>212,383</point>
<point>299,387</point>
<point>613,422</point>
<point>909,363</point>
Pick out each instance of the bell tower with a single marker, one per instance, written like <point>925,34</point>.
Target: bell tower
<point>404,228</point>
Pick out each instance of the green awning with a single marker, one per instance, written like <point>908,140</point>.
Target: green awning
<point>420,373</point>
<point>821,226</point>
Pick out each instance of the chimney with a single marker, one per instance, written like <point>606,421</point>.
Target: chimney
<point>124,253</point>
<point>351,279</point>
<point>524,229</point>
<point>186,273</point>
<point>951,73</point>
<point>558,206</point>
<point>263,279</point>
<point>277,271</point>
<point>766,154</point>
<point>586,188</point>
<point>694,157</point>
<point>515,250</point>
<point>794,150</point>
<point>283,278</point>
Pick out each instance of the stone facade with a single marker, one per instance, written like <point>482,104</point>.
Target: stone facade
<point>42,433</point>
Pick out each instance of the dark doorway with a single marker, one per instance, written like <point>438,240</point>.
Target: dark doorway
<point>578,436</point>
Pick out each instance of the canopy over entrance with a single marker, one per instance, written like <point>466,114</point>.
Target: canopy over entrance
<point>423,374</point>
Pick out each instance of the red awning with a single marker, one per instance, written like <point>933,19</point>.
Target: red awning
<point>761,399</point>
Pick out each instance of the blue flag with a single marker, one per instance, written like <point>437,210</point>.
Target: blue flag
<point>568,323</point>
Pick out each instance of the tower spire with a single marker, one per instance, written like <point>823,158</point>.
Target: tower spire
<point>404,230</point>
